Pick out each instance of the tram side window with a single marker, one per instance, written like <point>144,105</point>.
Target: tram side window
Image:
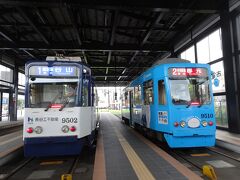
<point>137,95</point>
<point>124,99</point>
<point>86,90</point>
<point>161,92</point>
<point>148,92</point>
<point>127,99</point>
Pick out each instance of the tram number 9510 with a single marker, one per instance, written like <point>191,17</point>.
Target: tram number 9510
<point>69,120</point>
<point>206,115</point>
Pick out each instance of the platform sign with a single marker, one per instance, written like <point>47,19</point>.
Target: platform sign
<point>53,71</point>
<point>218,77</point>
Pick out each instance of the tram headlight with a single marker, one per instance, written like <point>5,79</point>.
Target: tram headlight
<point>30,130</point>
<point>65,129</point>
<point>182,124</point>
<point>204,123</point>
<point>38,130</point>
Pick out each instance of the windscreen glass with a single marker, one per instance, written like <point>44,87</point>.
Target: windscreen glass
<point>53,87</point>
<point>189,86</point>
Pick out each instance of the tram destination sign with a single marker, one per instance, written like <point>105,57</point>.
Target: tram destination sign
<point>53,71</point>
<point>187,72</point>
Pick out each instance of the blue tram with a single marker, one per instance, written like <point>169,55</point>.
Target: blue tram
<point>174,101</point>
<point>60,117</point>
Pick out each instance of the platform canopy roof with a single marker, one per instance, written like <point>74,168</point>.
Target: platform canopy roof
<point>117,39</point>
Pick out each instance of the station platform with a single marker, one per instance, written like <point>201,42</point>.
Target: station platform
<point>228,140</point>
<point>124,154</point>
<point>9,144</point>
<point>8,124</point>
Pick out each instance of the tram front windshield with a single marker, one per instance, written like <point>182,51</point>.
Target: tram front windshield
<point>189,90</point>
<point>189,86</point>
<point>52,91</point>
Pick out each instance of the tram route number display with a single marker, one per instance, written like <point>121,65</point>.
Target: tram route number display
<point>69,120</point>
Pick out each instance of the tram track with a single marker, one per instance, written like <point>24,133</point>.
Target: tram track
<point>52,168</point>
<point>196,158</point>
<point>40,164</point>
<point>176,153</point>
<point>225,163</point>
<point>17,169</point>
<point>224,154</point>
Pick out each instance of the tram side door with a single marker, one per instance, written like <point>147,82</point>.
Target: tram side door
<point>163,110</point>
<point>131,108</point>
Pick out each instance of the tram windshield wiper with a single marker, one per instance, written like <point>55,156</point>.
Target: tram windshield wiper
<point>54,99</point>
<point>189,103</point>
<point>64,104</point>
<point>203,101</point>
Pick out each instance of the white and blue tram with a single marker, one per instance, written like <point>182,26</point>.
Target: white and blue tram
<point>60,117</point>
<point>173,101</point>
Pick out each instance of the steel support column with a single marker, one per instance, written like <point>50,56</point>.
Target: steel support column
<point>231,82</point>
<point>1,105</point>
<point>15,78</point>
<point>14,94</point>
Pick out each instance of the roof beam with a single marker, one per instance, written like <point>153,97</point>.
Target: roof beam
<point>101,83</point>
<point>85,57</point>
<point>41,17</point>
<point>200,6</point>
<point>28,18</point>
<point>135,16</point>
<point>7,36</point>
<point>30,54</point>
<point>96,27</point>
<point>158,17</point>
<point>112,36</point>
<point>109,57</point>
<point>74,24</point>
<point>109,76</point>
<point>114,26</point>
<point>127,35</point>
<point>94,66</point>
<point>94,46</point>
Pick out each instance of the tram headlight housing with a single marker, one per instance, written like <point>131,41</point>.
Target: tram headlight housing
<point>38,130</point>
<point>176,124</point>
<point>182,124</point>
<point>73,128</point>
<point>204,123</point>
<point>65,129</point>
<point>210,123</point>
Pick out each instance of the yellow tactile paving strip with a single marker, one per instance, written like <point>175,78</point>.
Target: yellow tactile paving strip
<point>138,165</point>
<point>176,164</point>
<point>99,171</point>
<point>141,170</point>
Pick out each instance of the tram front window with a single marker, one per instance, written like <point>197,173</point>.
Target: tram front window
<point>190,91</point>
<point>45,92</point>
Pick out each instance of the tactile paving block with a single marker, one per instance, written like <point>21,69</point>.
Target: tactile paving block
<point>220,164</point>
<point>41,174</point>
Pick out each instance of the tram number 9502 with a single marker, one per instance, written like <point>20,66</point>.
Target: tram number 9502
<point>69,120</point>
